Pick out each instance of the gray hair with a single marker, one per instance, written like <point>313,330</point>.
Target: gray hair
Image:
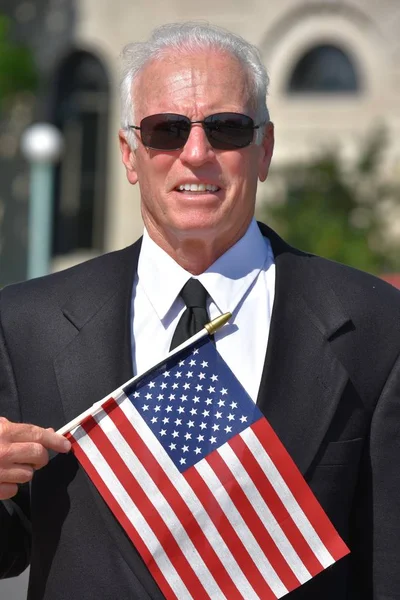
<point>188,38</point>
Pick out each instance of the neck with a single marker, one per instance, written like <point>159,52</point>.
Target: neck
<point>195,255</point>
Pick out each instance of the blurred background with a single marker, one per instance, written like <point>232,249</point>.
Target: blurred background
<point>334,188</point>
<point>334,98</point>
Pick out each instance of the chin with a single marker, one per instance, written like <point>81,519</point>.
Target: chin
<point>197,228</point>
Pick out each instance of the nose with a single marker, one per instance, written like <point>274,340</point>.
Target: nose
<point>197,149</point>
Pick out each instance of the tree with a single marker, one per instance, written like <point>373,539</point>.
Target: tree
<point>339,213</point>
<point>17,69</point>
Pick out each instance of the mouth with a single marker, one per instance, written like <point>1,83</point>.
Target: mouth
<point>197,188</point>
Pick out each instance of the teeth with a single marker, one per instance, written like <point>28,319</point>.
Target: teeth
<point>200,187</point>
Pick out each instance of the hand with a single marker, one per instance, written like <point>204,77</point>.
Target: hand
<point>23,450</point>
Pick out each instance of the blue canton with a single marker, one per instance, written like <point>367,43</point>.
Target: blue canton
<point>193,404</point>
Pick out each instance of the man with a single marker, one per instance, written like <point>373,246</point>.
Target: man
<point>316,346</point>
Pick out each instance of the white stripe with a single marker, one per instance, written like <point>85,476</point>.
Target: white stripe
<point>292,506</point>
<point>132,512</point>
<point>160,504</point>
<point>238,523</point>
<point>271,524</point>
<point>191,500</point>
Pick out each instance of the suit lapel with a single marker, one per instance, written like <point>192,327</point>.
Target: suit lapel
<point>302,379</point>
<point>98,360</point>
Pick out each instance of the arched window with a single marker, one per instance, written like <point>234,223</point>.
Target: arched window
<point>81,112</point>
<point>324,69</point>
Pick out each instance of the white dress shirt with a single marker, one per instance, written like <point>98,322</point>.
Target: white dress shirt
<point>241,281</point>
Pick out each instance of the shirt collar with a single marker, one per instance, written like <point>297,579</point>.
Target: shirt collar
<point>226,280</point>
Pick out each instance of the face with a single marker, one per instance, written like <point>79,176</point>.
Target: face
<point>196,86</point>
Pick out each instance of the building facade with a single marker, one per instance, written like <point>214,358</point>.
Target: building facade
<point>335,76</point>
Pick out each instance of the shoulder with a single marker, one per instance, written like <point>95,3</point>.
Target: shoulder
<point>103,272</point>
<point>354,285</point>
<point>372,304</point>
<point>365,298</point>
<point>348,282</point>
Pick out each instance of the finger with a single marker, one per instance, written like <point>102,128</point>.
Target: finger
<point>55,441</point>
<point>17,474</point>
<point>24,453</point>
<point>23,432</point>
<point>8,490</point>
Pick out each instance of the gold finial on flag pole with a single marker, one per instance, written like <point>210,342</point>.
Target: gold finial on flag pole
<point>217,323</point>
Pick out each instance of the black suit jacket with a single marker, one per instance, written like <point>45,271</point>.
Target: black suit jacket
<point>330,389</point>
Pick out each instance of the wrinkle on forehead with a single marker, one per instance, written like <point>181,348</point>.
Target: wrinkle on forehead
<point>192,81</point>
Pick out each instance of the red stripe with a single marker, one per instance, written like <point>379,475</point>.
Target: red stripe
<point>207,499</point>
<point>153,519</point>
<point>122,518</point>
<point>253,521</point>
<point>276,506</point>
<point>178,505</point>
<point>299,488</point>
<point>228,533</point>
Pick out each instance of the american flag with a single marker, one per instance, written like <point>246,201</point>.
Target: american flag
<point>202,485</point>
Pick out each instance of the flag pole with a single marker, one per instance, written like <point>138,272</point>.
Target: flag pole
<point>209,329</point>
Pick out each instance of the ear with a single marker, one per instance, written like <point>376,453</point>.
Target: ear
<point>128,157</point>
<point>266,151</point>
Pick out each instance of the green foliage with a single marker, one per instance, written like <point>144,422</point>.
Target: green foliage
<point>17,69</point>
<point>339,214</point>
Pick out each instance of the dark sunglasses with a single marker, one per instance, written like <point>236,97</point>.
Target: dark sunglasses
<point>224,131</point>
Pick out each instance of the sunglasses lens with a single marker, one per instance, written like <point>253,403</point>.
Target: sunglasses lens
<point>165,131</point>
<point>225,131</point>
<point>228,131</point>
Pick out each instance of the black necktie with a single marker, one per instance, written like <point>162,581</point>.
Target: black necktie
<point>195,316</point>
